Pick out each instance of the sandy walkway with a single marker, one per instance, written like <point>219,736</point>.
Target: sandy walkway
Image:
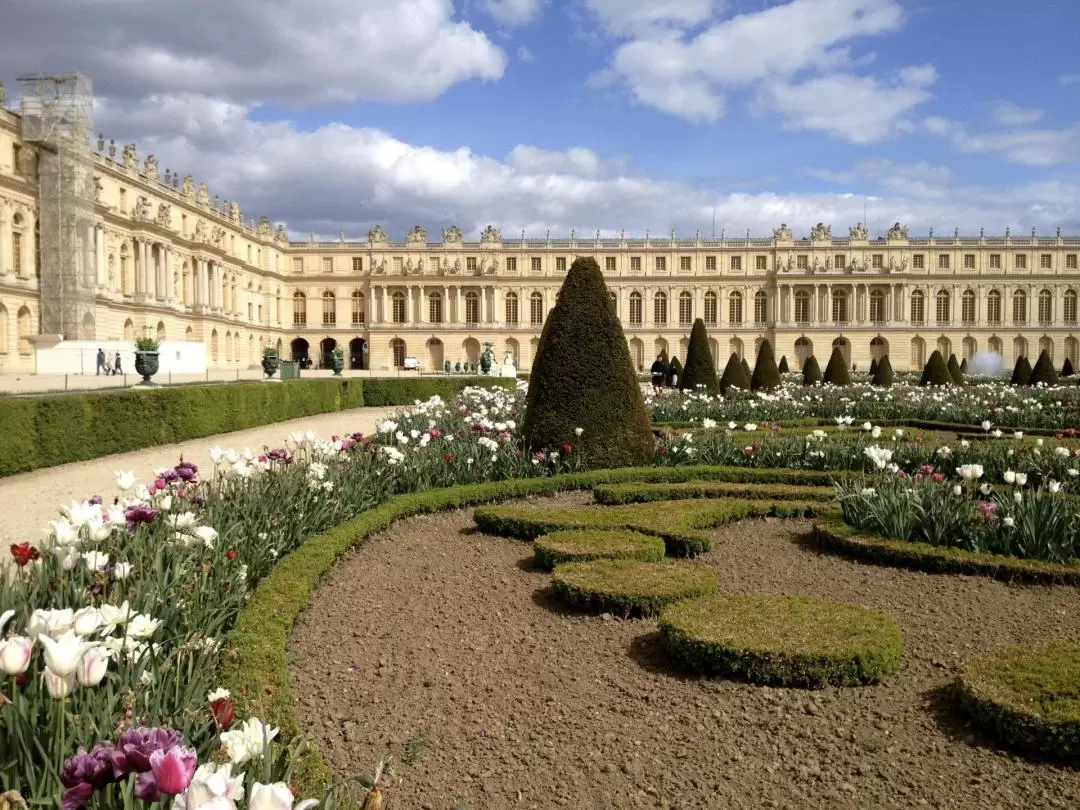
<point>30,500</point>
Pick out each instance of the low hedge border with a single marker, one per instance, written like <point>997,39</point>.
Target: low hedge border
<point>782,640</point>
<point>811,423</point>
<point>582,545</point>
<point>1026,697</point>
<point>832,534</point>
<point>631,588</point>
<point>614,494</point>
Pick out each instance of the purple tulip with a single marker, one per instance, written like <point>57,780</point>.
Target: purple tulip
<point>95,499</point>
<point>137,515</point>
<point>84,773</point>
<point>135,746</point>
<point>77,796</point>
<point>173,769</point>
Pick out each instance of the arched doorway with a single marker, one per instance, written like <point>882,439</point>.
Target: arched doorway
<point>435,354</point>
<point>397,352</point>
<point>735,347</point>
<point>471,347</point>
<point>804,347</point>
<point>326,352</point>
<point>514,351</point>
<point>714,348</point>
<point>844,345</point>
<point>918,353</point>
<point>160,331</point>
<point>660,346</point>
<point>1020,348</point>
<point>87,327</point>
<point>534,347</point>
<point>879,347</point>
<point>637,353</point>
<point>299,348</point>
<point>969,347</point>
<point>358,353</point>
<point>944,345</point>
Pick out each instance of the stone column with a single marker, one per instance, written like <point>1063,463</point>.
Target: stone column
<point>3,243</point>
<point>148,267</point>
<point>446,304</point>
<point>99,253</point>
<point>383,296</point>
<point>498,314</point>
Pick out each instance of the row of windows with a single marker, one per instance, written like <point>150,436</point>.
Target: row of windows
<point>399,308</point>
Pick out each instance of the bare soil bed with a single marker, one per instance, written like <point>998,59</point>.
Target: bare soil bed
<point>440,645</point>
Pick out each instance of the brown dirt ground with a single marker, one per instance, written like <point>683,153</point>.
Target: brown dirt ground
<point>438,644</point>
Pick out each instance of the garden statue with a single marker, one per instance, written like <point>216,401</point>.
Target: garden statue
<point>508,367</point>
<point>487,359</point>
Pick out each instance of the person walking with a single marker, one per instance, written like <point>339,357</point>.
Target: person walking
<point>100,361</point>
<point>658,372</point>
<point>117,369</point>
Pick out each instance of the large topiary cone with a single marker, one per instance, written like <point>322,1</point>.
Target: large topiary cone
<point>883,374</point>
<point>811,371</point>
<point>766,375</point>
<point>582,377</point>
<point>783,367</point>
<point>1067,368</point>
<point>873,366</point>
<point>836,372</point>
<point>936,371</point>
<point>746,368</point>
<point>1044,371</point>
<point>954,370</point>
<point>734,375</point>
<point>963,366</point>
<point>675,370</point>
<point>700,368</point>
<point>1021,371</point>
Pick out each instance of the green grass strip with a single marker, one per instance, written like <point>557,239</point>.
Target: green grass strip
<point>614,494</point>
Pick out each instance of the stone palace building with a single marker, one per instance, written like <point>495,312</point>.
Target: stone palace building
<point>151,253</point>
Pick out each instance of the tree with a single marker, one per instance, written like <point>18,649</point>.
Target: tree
<point>936,371</point>
<point>1067,368</point>
<point>582,377</point>
<point>783,367</point>
<point>766,375</point>
<point>700,369</point>
<point>873,366</point>
<point>1021,371</point>
<point>811,371</point>
<point>734,375</point>
<point>836,372</point>
<point>1044,371</point>
<point>883,375</point>
<point>954,370</point>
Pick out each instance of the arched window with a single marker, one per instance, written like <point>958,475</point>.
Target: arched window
<point>967,307</point>
<point>660,309</point>
<point>802,307</point>
<point>877,306</point>
<point>686,308</point>
<point>761,308</point>
<point>511,308</point>
<point>941,307</point>
<point>918,308</point>
<point>1070,306</point>
<point>839,306</point>
<point>359,314</point>
<point>329,308</point>
<point>635,308</point>
<point>17,263</point>
<point>472,307</point>
<point>24,328</point>
<point>1019,307</point>
<point>1046,307</point>
<point>614,302</point>
<point>996,345</point>
<point>299,309</point>
<point>735,309</point>
<point>397,349</point>
<point>993,307</point>
<point>397,304</point>
<point>214,346</point>
<point>3,329</point>
<point>711,308</point>
<point>228,347</point>
<point>435,307</point>
<point>536,308</point>
<point>277,306</point>
<point>918,353</point>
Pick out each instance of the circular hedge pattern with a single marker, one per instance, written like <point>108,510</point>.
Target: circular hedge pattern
<point>580,545</point>
<point>1026,696</point>
<point>630,587</point>
<point>782,640</point>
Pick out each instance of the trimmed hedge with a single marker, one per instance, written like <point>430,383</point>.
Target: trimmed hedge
<point>936,371</point>
<point>734,375</point>
<point>836,371</point>
<point>49,430</point>
<point>766,375</point>
<point>1021,372</point>
<point>782,640</point>
<point>582,545</point>
<point>700,365</point>
<point>613,494</point>
<point>1044,371</point>
<point>1026,697</point>
<point>631,587</point>
<point>883,374</point>
<point>811,374</point>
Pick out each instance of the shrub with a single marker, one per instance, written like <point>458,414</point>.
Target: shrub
<point>582,377</point>
<point>873,367</point>
<point>766,375</point>
<point>836,372</point>
<point>883,376</point>
<point>734,375</point>
<point>963,366</point>
<point>675,370</point>
<point>582,545</point>
<point>630,587</point>
<point>746,368</point>
<point>935,372</point>
<point>782,640</point>
<point>1044,371</point>
<point>700,367</point>
<point>793,489</point>
<point>954,370</point>
<point>783,367</point>
<point>1067,368</point>
<point>1021,371</point>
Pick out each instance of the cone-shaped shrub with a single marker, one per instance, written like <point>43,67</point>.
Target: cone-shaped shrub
<point>675,370</point>
<point>963,366</point>
<point>811,371</point>
<point>783,367</point>
<point>1067,368</point>
<point>700,366</point>
<point>734,375</point>
<point>582,377</point>
<point>836,372</point>
<point>936,371</point>
<point>1021,371</point>
<point>873,367</point>
<point>746,368</point>
<point>1044,371</point>
<point>766,375</point>
<point>954,370</point>
<point>883,375</point>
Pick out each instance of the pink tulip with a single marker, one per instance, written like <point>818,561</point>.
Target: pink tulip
<point>15,655</point>
<point>173,768</point>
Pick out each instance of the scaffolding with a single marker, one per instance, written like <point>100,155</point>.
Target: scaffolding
<point>57,119</point>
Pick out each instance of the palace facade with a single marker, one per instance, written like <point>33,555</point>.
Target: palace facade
<point>166,259</point>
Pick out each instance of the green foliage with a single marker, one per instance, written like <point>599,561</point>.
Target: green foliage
<point>147,344</point>
<point>270,352</point>
<point>873,367</point>
<point>746,368</point>
<point>631,587</point>
<point>793,489</point>
<point>783,367</point>
<point>936,372</point>
<point>811,373</point>
<point>734,375</point>
<point>954,370</point>
<point>1067,368</point>
<point>582,377</point>
<point>1044,371</point>
<point>766,375</point>
<point>581,545</point>
<point>700,367</point>
<point>1026,696</point>
<point>963,366</point>
<point>883,375</point>
<point>782,640</point>
<point>1021,371</point>
<point>836,372</point>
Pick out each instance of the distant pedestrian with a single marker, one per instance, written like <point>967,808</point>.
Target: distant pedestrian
<point>117,369</point>
<point>658,372</point>
<point>101,361</point>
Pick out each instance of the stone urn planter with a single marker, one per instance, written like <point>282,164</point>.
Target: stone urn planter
<point>146,364</point>
<point>270,365</point>
<point>337,363</point>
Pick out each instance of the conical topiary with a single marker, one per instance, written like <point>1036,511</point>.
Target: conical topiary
<point>954,370</point>
<point>700,369</point>
<point>936,371</point>
<point>582,377</point>
<point>873,367</point>
<point>836,372</point>
<point>1044,371</point>
<point>883,375</point>
<point>746,368</point>
<point>675,371</point>
<point>963,366</point>
<point>783,367</point>
<point>1021,371</point>
<point>766,375</point>
<point>734,375</point>
<point>1067,368</point>
<point>811,371</point>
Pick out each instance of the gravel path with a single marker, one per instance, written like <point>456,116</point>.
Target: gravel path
<point>30,500</point>
<point>437,643</point>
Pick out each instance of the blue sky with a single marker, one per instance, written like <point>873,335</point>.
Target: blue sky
<point>332,116</point>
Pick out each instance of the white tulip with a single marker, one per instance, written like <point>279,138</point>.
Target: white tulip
<point>957,490</point>
<point>67,556</point>
<point>50,622</point>
<point>212,788</point>
<point>122,570</point>
<point>62,655</point>
<point>125,480</point>
<point>58,686</point>
<point>215,455</point>
<point>87,620</point>
<point>1010,477</point>
<point>92,667</point>
<point>985,425</point>
<point>15,654</point>
<point>1054,487</point>
<point>5,617</point>
<point>1021,479</point>
<point>142,626</point>
<point>1008,522</point>
<point>96,560</point>
<point>112,616</point>
<point>207,534</point>
<point>62,533</point>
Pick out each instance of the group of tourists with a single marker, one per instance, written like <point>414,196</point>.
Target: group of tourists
<point>104,366</point>
<point>664,374</point>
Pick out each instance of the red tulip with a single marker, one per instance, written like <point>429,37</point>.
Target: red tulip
<point>24,553</point>
<point>230,555</point>
<point>222,709</point>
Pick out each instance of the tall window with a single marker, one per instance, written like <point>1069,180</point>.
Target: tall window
<point>918,306</point>
<point>329,309</point>
<point>16,252</point>
<point>328,264</point>
<point>735,309</point>
<point>802,306</point>
<point>397,348</point>
<point>918,261</point>
<point>1046,306</point>
<point>684,264</point>
<point>967,307</point>
<point>614,302</point>
<point>1019,307</point>
<point>536,308</point>
<point>942,308</point>
<point>299,309</point>
<point>710,262</point>
<point>761,262</point>
<point>511,264</point>
<point>736,262</point>
<point>1021,261</point>
<point>995,261</point>
<point>435,307</point>
<point>877,306</point>
<point>560,264</point>
<point>661,264</point>
<point>511,307</point>
<point>710,308</point>
<point>943,261</point>
<point>357,264</point>
<point>536,264</point>
<point>609,264</point>
<point>472,307</point>
<point>1070,306</point>
<point>398,304</point>
<point>761,307</point>
<point>660,307</point>
<point>470,264</point>
<point>635,308</point>
<point>839,306</point>
<point>969,261</point>
<point>686,309</point>
<point>358,314</point>
<point>993,307</point>
<point>635,264</point>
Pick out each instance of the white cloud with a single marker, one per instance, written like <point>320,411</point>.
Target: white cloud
<point>1013,115</point>
<point>644,17</point>
<point>292,52</point>
<point>525,55</point>
<point>1069,79</point>
<point>1025,147</point>
<point>513,13</point>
